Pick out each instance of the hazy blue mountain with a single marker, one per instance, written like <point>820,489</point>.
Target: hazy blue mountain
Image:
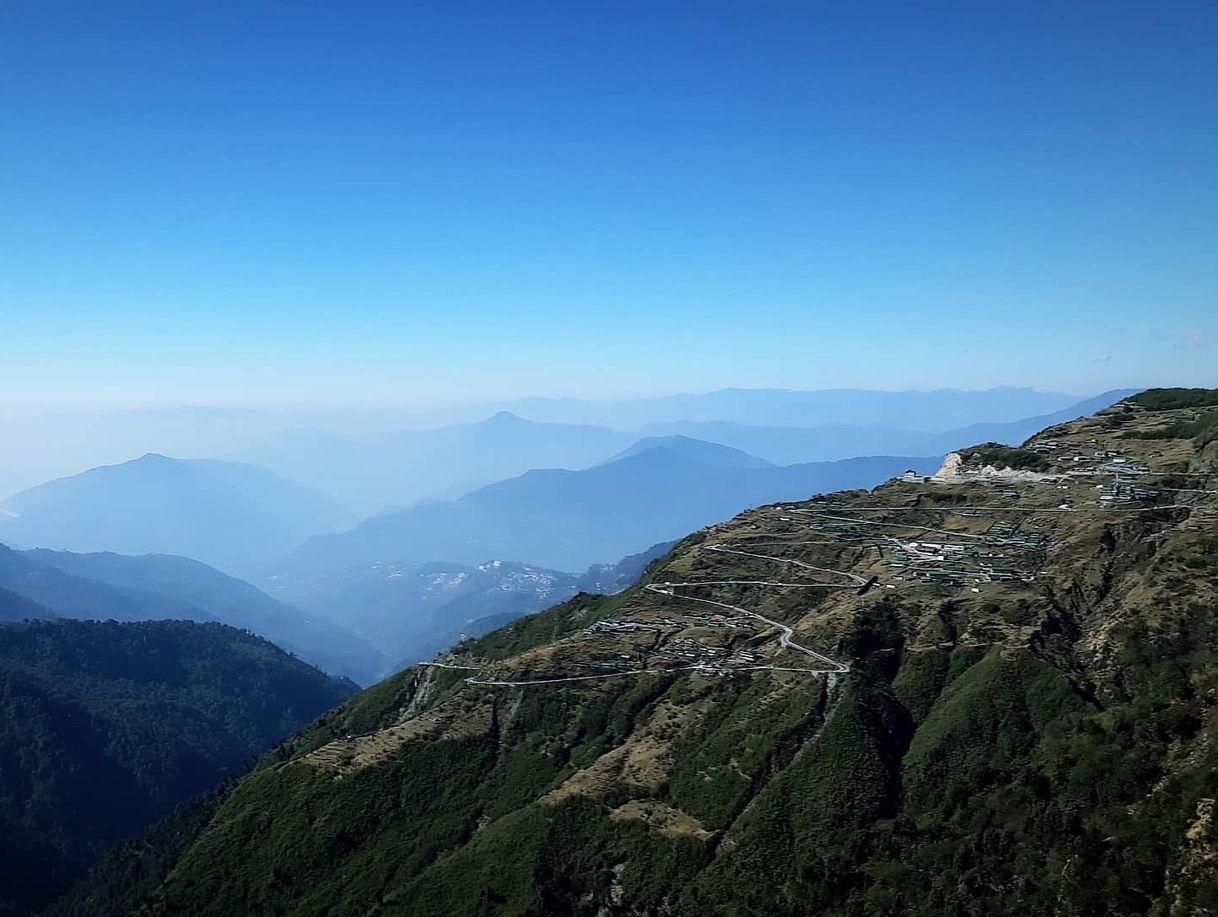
<point>231,515</point>
<point>413,611</point>
<point>1017,432</point>
<point>700,450</point>
<point>53,445</point>
<point>376,471</point>
<point>159,587</point>
<point>908,410</point>
<point>71,596</point>
<point>372,472</point>
<point>14,607</point>
<point>790,444</point>
<point>570,519</point>
<point>38,447</point>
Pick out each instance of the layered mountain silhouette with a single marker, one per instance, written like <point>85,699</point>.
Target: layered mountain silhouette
<point>940,409</point>
<point>15,607</point>
<point>49,584</point>
<point>570,519</point>
<point>372,472</point>
<point>231,515</point>
<point>40,447</point>
<point>699,450</point>
<point>802,443</point>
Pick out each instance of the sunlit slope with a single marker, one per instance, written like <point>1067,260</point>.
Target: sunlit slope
<point>991,692</point>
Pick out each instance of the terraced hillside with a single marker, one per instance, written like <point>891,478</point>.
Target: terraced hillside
<point>991,691</point>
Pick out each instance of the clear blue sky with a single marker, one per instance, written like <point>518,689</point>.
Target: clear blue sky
<point>300,201</point>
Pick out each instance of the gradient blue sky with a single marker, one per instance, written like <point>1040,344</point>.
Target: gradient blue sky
<point>302,201</point>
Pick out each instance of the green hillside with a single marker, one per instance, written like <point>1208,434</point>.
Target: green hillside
<point>991,693</point>
<point>106,727</point>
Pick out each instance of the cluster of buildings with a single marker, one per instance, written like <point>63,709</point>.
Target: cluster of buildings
<point>959,576</point>
<point>1009,535</point>
<point>955,564</point>
<point>1122,492</point>
<point>616,626</point>
<point>623,662</point>
<point>714,660</point>
<point>696,619</point>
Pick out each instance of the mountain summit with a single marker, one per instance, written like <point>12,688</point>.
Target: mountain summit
<point>228,514</point>
<point>697,449</point>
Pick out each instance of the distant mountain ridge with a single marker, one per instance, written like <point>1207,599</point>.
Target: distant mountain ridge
<point>53,445</point>
<point>570,519</point>
<point>15,607</point>
<point>906,410</point>
<point>700,450</point>
<point>156,587</point>
<point>230,515</point>
<point>375,471</point>
<point>787,444</point>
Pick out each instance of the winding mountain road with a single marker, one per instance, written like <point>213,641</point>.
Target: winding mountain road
<point>825,664</point>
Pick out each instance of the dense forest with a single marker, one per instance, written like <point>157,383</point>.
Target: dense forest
<point>106,727</point>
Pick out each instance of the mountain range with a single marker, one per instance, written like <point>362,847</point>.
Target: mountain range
<point>784,445</point>
<point>375,471</point>
<point>50,584</point>
<point>244,518</point>
<point>234,516</point>
<point>990,692</point>
<point>43,446</point>
<point>569,520</point>
<point>940,409</point>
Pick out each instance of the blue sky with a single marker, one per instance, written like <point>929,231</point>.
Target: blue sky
<point>304,201</point>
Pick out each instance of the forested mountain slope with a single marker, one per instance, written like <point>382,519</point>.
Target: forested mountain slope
<point>120,587</point>
<point>14,607</point>
<point>991,692</point>
<point>149,586</point>
<point>106,727</point>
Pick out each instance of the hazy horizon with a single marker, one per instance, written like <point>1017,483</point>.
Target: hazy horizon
<point>490,400</point>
